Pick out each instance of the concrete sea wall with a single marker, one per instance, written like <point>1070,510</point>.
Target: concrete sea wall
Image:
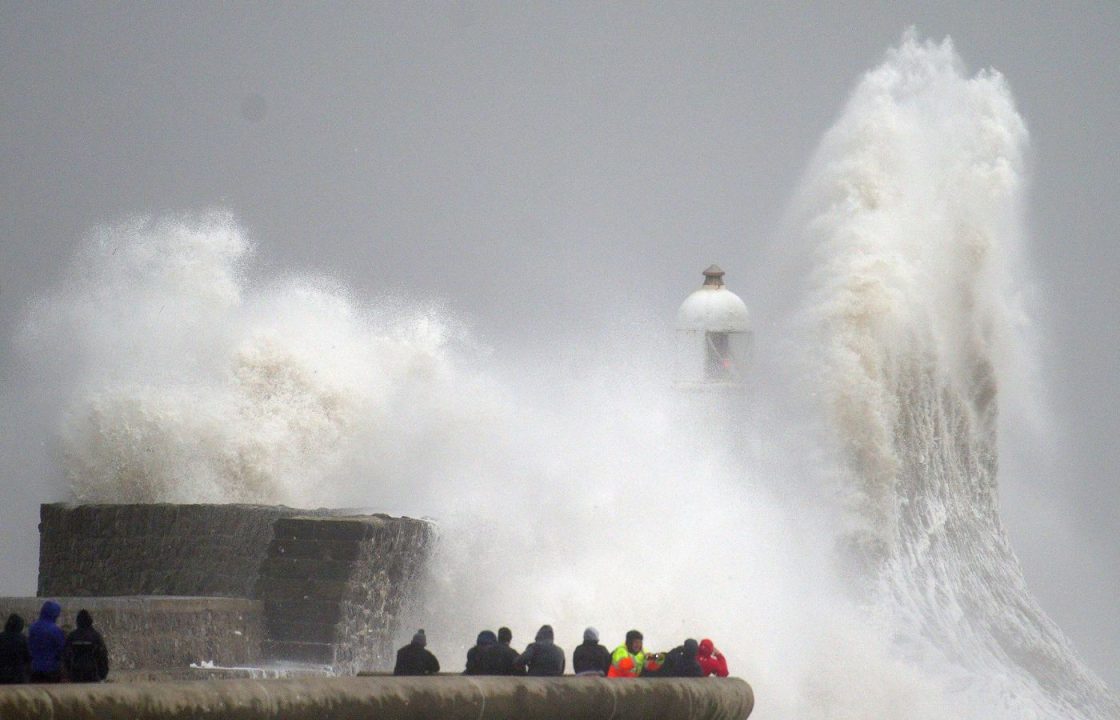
<point>158,549</point>
<point>333,589</point>
<point>387,698</point>
<point>332,584</point>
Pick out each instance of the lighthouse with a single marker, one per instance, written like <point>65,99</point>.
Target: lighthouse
<point>714,339</point>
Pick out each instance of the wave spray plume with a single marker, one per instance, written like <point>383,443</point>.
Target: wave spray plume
<point>914,214</point>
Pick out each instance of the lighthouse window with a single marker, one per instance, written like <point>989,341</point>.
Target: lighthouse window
<point>719,365</point>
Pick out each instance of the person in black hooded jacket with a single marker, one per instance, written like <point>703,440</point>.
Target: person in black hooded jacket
<point>682,661</point>
<point>591,658</point>
<point>477,656</point>
<point>85,657</point>
<point>415,658</point>
<point>542,657</point>
<point>15,659</point>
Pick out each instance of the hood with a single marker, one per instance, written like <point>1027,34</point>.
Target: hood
<point>487,637</point>
<point>504,635</point>
<point>545,634</point>
<point>706,647</point>
<point>85,620</point>
<point>591,635</point>
<point>50,611</point>
<point>14,624</point>
<point>691,647</point>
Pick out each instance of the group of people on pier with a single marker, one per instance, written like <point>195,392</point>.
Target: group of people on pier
<point>46,654</point>
<point>493,655</point>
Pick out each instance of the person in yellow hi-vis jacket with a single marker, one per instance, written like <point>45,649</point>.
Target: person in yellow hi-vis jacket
<point>627,660</point>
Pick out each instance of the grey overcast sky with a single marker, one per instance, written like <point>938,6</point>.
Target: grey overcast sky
<point>449,148</point>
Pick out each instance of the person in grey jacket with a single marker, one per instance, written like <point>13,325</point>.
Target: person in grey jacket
<point>543,656</point>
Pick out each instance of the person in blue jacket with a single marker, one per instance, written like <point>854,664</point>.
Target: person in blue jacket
<point>45,640</point>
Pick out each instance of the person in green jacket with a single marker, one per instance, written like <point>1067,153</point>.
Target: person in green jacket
<point>628,659</point>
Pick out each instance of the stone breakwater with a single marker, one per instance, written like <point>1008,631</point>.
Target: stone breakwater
<point>388,698</point>
<point>160,549</point>
<point>323,587</point>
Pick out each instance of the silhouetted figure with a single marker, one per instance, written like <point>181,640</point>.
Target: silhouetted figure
<point>477,656</point>
<point>711,660</point>
<point>681,661</point>
<point>15,659</point>
<point>415,659</point>
<point>85,657</point>
<point>45,640</point>
<point>591,658</point>
<point>542,657</point>
<point>501,657</point>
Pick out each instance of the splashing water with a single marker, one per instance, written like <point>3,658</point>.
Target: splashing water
<point>188,386</point>
<point>914,205</point>
<point>599,500</point>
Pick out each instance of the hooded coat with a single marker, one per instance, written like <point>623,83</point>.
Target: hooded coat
<point>712,661</point>
<point>625,664</point>
<point>84,657</point>
<point>543,656</point>
<point>682,662</point>
<point>45,640</point>
<point>477,656</point>
<point>591,657</point>
<point>415,658</point>
<point>15,659</point>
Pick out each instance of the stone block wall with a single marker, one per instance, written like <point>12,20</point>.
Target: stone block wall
<point>332,584</point>
<point>333,589</point>
<point>158,549</point>
<point>162,633</point>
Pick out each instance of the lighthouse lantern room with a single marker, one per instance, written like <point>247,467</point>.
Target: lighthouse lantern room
<point>714,338</point>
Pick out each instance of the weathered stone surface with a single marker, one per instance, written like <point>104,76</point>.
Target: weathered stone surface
<point>383,583</point>
<point>310,611</point>
<point>314,653</point>
<point>435,698</point>
<point>341,581</point>
<point>155,549</point>
<point>162,633</point>
<point>327,577</point>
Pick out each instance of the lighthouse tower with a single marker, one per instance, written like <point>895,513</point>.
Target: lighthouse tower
<point>714,339</point>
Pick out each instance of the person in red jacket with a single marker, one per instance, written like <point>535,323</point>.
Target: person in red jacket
<point>711,660</point>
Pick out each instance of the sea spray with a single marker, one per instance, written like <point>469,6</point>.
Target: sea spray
<point>568,499</point>
<point>913,215</point>
<point>187,382</point>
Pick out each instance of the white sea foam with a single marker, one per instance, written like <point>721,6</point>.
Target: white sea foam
<point>913,215</point>
<point>588,493</point>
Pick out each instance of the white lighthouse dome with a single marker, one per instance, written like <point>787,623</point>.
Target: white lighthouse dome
<point>714,308</point>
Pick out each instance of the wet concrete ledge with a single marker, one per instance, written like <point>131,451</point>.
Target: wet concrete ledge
<point>447,697</point>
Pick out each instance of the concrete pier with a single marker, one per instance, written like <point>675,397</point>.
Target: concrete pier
<point>447,697</point>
